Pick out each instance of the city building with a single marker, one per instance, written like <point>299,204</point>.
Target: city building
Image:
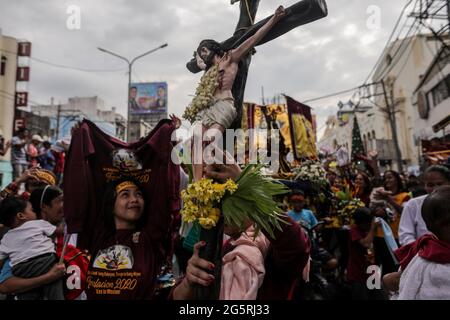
<point>14,76</point>
<point>64,116</point>
<point>432,106</point>
<point>403,63</point>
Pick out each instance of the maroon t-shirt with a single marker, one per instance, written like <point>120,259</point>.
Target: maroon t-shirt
<point>125,268</point>
<point>123,265</point>
<point>357,262</point>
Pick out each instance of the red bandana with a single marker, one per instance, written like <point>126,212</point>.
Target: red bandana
<point>428,247</point>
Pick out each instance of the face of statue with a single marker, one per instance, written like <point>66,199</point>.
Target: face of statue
<point>204,53</point>
<point>207,56</point>
<point>200,63</point>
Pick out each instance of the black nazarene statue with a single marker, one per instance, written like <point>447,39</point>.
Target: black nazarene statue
<point>220,107</point>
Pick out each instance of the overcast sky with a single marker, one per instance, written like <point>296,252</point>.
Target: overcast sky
<point>329,55</point>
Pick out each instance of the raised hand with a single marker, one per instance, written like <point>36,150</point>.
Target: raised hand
<point>195,271</point>
<point>279,13</point>
<point>175,120</point>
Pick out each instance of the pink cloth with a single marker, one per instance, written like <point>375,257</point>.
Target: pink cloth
<point>33,154</point>
<point>243,268</point>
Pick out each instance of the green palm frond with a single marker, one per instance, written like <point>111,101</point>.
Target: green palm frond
<point>254,200</point>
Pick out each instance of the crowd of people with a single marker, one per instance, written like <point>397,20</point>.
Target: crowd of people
<point>31,152</point>
<point>361,235</point>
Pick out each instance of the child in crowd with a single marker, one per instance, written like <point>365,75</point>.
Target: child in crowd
<point>29,247</point>
<point>426,262</point>
<point>360,258</point>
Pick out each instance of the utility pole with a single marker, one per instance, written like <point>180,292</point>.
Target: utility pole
<point>58,115</point>
<point>393,124</point>
<point>262,95</point>
<point>448,13</point>
<point>130,66</point>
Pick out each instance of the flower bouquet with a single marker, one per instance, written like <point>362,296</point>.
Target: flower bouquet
<point>249,198</point>
<point>312,172</point>
<point>347,206</point>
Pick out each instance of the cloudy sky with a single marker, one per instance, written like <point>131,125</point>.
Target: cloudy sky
<point>329,55</point>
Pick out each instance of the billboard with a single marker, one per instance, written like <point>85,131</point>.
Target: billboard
<point>148,98</point>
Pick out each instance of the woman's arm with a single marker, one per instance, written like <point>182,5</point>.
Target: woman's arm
<point>17,285</point>
<point>368,240</point>
<point>391,281</point>
<point>398,207</point>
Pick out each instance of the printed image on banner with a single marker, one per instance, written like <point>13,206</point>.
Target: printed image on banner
<point>150,97</point>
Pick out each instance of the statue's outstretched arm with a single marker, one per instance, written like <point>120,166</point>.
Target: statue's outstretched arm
<point>238,53</point>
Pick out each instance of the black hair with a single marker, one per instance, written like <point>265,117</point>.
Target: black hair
<point>9,208</point>
<point>108,203</point>
<point>296,192</point>
<point>36,183</point>
<point>215,48</point>
<point>362,216</point>
<point>212,45</point>
<point>23,129</point>
<point>436,210</point>
<point>36,199</point>
<point>417,191</point>
<point>397,177</point>
<point>368,183</point>
<point>133,88</point>
<point>442,170</point>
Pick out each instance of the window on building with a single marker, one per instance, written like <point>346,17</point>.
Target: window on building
<point>373,134</point>
<point>441,91</point>
<point>3,66</point>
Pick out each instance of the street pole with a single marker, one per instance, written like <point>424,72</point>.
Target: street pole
<point>58,115</point>
<point>393,124</point>
<point>130,66</point>
<point>448,13</point>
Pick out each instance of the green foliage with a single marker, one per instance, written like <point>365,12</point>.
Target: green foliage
<point>254,200</point>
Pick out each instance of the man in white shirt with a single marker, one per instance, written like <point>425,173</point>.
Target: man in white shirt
<point>412,225</point>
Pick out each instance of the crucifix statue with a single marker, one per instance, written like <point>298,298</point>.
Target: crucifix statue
<point>219,97</point>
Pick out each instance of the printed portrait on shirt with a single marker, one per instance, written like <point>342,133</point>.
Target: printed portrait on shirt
<point>126,160</point>
<point>116,257</point>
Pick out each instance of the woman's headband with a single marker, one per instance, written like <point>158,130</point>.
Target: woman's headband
<point>125,185</point>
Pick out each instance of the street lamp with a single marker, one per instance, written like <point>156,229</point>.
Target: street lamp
<point>130,65</point>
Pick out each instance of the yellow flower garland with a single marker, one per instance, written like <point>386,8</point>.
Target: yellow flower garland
<point>200,199</point>
<point>204,94</point>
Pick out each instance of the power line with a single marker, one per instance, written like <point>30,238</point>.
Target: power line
<point>62,66</point>
<point>331,95</point>
<point>399,54</point>
<point>14,97</point>
<point>388,41</point>
<point>408,38</point>
<point>56,65</point>
<point>437,62</point>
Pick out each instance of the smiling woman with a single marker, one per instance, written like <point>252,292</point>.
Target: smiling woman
<point>123,261</point>
<point>128,206</point>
